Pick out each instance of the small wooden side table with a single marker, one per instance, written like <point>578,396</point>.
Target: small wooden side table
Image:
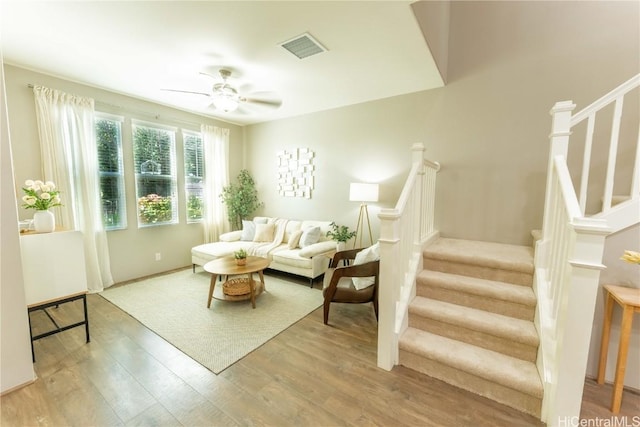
<point>227,267</point>
<point>629,300</point>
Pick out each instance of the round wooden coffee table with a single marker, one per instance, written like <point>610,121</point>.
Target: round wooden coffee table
<point>227,267</point>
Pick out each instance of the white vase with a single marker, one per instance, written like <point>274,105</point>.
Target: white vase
<point>341,246</point>
<point>44,222</point>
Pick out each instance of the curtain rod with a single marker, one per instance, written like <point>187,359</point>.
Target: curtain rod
<point>144,113</point>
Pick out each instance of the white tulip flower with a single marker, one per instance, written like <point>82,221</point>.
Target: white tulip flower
<point>39,195</point>
<point>29,200</point>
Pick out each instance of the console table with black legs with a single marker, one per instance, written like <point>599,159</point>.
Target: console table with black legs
<point>54,274</point>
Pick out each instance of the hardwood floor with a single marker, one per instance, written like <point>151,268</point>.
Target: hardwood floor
<point>309,375</point>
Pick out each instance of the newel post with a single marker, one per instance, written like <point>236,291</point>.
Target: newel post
<point>387,294</point>
<point>417,154</point>
<point>574,327</point>
<point>558,146</point>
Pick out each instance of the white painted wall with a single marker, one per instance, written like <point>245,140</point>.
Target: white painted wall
<point>433,17</point>
<point>16,367</point>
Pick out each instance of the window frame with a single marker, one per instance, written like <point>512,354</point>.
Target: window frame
<point>121,209</point>
<point>190,188</point>
<point>155,206</point>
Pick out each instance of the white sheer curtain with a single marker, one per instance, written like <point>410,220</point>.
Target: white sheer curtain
<point>70,159</point>
<point>216,151</point>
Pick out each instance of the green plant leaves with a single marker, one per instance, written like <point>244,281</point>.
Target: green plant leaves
<point>241,199</point>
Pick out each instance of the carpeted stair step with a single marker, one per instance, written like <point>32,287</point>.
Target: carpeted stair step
<point>508,380</point>
<point>486,260</point>
<point>496,297</point>
<point>503,334</point>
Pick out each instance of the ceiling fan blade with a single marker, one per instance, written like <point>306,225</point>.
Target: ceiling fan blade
<point>263,99</point>
<point>186,91</point>
<point>202,73</point>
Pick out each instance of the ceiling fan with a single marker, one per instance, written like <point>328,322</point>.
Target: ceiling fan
<point>225,97</point>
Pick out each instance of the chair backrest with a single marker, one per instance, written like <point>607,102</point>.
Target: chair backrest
<point>347,255</point>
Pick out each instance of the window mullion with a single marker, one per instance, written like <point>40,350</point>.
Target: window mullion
<point>111,171</point>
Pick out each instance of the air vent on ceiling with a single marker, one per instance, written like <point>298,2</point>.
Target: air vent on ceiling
<point>303,46</point>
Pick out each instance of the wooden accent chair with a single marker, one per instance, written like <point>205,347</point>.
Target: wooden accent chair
<point>338,285</point>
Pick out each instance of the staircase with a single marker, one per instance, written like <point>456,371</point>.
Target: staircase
<point>471,322</point>
<point>499,320</point>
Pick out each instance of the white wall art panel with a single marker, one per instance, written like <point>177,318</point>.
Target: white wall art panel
<point>295,172</point>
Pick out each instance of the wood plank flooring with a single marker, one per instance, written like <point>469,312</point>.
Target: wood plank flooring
<point>309,375</point>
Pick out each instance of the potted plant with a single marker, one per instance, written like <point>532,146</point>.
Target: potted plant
<point>240,256</point>
<point>341,234</point>
<point>241,199</point>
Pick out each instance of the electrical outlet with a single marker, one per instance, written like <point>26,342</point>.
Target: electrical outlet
<point>158,256</point>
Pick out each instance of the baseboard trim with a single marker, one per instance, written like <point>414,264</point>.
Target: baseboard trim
<point>18,387</point>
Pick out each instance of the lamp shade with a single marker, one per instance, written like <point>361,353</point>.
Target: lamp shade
<point>359,192</point>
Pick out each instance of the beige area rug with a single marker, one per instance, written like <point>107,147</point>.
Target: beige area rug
<point>174,306</point>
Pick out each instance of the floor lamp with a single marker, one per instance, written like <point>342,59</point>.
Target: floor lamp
<point>359,192</point>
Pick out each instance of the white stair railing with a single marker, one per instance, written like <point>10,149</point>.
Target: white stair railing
<point>404,231</point>
<point>617,97</point>
<point>568,257</point>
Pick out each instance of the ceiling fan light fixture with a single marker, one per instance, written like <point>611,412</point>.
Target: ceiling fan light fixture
<point>225,98</point>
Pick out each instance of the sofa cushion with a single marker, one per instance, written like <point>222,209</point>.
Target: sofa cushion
<point>219,249</point>
<point>324,227</point>
<point>318,248</point>
<point>248,230</point>
<point>262,219</point>
<point>292,228</point>
<point>291,257</point>
<point>294,239</point>
<point>231,236</point>
<point>310,236</point>
<point>264,232</point>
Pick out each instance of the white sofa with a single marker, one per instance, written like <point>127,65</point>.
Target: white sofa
<point>292,246</point>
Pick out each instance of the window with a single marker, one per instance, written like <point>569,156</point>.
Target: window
<point>112,195</point>
<point>193,175</point>
<point>154,158</point>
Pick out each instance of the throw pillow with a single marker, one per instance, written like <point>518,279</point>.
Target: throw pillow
<point>369,254</point>
<point>248,230</point>
<point>310,236</point>
<point>264,232</point>
<point>294,239</point>
<point>291,227</point>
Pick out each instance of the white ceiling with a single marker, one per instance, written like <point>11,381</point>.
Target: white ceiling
<point>375,50</point>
